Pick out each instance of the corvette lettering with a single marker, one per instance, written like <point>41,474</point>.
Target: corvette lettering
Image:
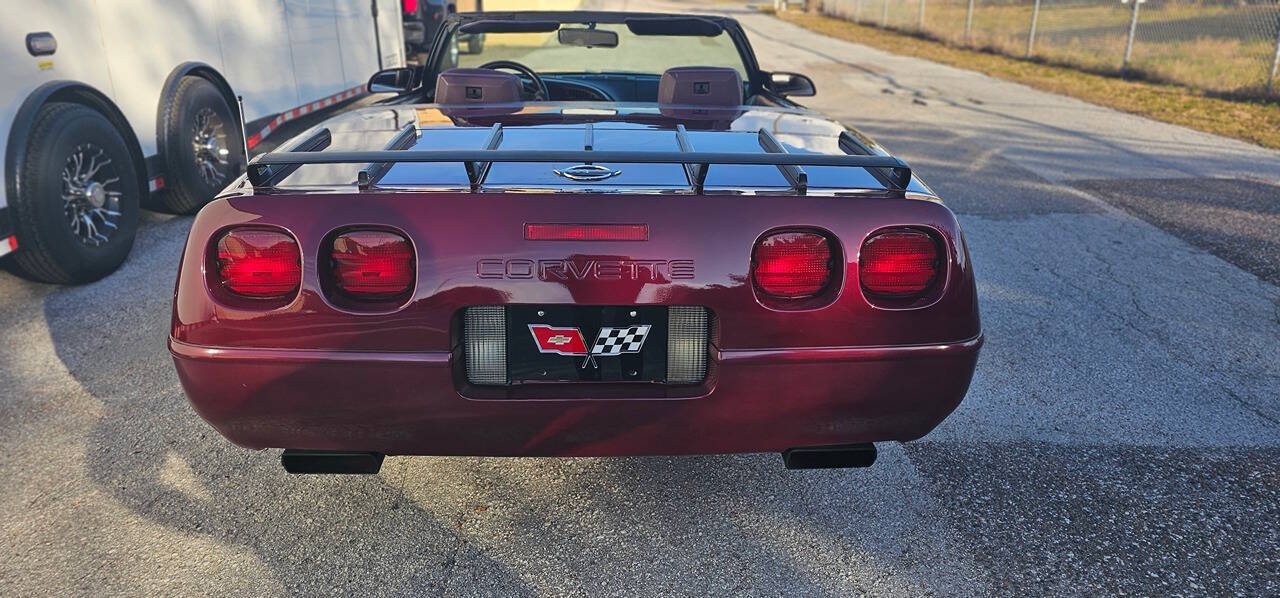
<point>589,269</point>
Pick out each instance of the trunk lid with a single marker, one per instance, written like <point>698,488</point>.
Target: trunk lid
<point>616,128</point>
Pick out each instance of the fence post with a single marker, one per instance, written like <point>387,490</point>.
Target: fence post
<point>857,11</point>
<point>920,25</point>
<point>1275,60</point>
<point>1133,29</point>
<point>1031,34</point>
<point>884,14</point>
<point>968,23</point>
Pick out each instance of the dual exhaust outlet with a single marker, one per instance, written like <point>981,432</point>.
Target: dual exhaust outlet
<point>336,462</point>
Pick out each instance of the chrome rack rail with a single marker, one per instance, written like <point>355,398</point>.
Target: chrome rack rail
<point>478,170</point>
<point>373,171</point>
<point>697,172</point>
<point>793,173</point>
<point>271,174</point>
<point>268,169</point>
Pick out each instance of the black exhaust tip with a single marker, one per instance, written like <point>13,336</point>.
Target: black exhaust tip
<point>296,461</point>
<point>830,457</point>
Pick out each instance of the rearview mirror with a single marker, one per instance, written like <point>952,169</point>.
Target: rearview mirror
<point>397,80</point>
<point>588,38</point>
<point>791,84</point>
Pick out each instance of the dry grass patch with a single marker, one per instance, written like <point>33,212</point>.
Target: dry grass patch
<point>1254,121</point>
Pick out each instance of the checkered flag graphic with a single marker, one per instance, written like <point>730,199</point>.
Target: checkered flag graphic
<point>616,341</point>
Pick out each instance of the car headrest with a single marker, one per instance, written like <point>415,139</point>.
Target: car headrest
<point>700,86</point>
<point>477,86</point>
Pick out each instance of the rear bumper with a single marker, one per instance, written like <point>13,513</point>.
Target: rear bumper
<point>410,403</point>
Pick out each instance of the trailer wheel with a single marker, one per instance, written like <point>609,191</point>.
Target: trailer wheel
<point>202,147</point>
<point>77,207</point>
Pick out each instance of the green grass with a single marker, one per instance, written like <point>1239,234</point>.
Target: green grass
<point>1254,120</point>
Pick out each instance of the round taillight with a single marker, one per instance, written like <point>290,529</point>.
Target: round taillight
<point>372,264</point>
<point>792,265</point>
<point>898,263</point>
<point>262,264</point>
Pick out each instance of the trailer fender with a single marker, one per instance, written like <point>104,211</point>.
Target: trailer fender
<point>163,183</point>
<point>19,135</point>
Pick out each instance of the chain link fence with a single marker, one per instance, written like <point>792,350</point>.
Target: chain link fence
<point>1226,46</point>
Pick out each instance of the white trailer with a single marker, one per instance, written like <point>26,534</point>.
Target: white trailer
<point>111,106</point>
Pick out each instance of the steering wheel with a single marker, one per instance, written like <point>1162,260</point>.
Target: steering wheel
<point>540,91</point>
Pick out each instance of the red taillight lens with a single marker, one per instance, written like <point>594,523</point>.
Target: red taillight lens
<point>409,5</point>
<point>792,265</point>
<point>898,263</point>
<point>586,232</point>
<point>263,264</point>
<point>372,263</point>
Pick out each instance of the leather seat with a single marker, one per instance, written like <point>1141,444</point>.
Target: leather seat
<point>463,86</point>
<point>702,86</point>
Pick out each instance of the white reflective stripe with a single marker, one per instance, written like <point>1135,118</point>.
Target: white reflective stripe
<point>302,110</point>
<point>8,245</point>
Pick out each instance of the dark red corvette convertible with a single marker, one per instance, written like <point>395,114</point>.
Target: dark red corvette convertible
<point>603,234</point>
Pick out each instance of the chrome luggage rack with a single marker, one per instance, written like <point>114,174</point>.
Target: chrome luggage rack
<point>267,170</point>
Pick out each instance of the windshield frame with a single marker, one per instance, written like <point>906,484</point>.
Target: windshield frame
<point>428,71</point>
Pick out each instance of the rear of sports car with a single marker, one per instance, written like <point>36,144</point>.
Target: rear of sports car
<point>574,323</point>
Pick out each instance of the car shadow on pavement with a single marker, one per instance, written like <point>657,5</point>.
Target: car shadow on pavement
<point>689,525</point>
<point>719,525</point>
<point>150,452</point>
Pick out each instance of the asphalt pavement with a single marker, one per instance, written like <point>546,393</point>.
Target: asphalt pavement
<point>1121,436</point>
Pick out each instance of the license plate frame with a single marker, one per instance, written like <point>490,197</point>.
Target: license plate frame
<point>528,363</point>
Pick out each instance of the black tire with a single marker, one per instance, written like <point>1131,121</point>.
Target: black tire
<point>188,186</point>
<point>50,249</point>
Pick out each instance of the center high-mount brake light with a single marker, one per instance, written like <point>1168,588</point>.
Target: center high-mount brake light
<point>372,264</point>
<point>792,265</point>
<point>262,264</point>
<point>899,263</point>
<point>586,232</point>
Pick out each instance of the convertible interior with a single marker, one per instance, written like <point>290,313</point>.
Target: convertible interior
<point>632,60</point>
<point>686,86</point>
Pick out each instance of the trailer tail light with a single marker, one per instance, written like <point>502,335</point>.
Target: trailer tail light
<point>586,232</point>
<point>899,263</point>
<point>792,265</point>
<point>409,6</point>
<point>372,264</point>
<point>257,263</point>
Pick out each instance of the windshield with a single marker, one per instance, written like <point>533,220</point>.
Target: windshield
<point>571,51</point>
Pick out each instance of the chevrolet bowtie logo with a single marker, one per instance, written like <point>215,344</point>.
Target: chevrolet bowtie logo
<point>610,341</point>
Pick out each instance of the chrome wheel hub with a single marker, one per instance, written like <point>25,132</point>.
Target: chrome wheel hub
<point>90,194</point>
<point>209,144</point>
<point>95,194</point>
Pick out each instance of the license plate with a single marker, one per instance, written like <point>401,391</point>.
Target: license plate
<point>572,343</point>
